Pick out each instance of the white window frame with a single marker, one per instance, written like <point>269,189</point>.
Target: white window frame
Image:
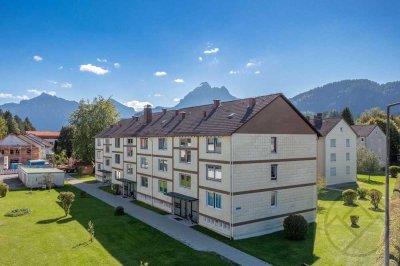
<point>164,142</point>
<point>214,145</point>
<point>98,155</point>
<point>162,186</point>
<point>333,157</point>
<point>213,204</point>
<point>274,166</point>
<point>332,143</point>
<point>348,143</point>
<point>129,169</point>
<point>347,156</point>
<point>164,163</point>
<point>144,181</point>
<point>213,168</point>
<point>274,199</point>
<point>185,181</point>
<point>185,156</point>
<point>129,141</point>
<point>348,170</point>
<point>117,155</point>
<point>144,163</point>
<point>274,145</point>
<point>185,142</point>
<point>129,151</point>
<point>117,142</point>
<point>117,174</point>
<point>144,143</point>
<point>332,171</point>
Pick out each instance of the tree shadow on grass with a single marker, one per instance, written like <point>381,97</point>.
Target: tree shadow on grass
<point>49,221</point>
<point>82,244</point>
<point>376,210</point>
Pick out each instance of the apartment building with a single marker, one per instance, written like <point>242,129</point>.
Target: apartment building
<point>238,167</point>
<point>372,138</point>
<point>337,150</point>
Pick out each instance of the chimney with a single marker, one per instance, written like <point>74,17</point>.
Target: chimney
<point>251,102</point>
<point>183,114</point>
<point>176,112</point>
<point>147,112</point>
<point>318,120</point>
<point>216,103</point>
<point>164,111</point>
<point>204,114</point>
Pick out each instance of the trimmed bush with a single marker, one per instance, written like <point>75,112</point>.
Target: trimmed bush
<point>119,211</point>
<point>115,189</point>
<point>349,196</point>
<point>3,190</point>
<point>375,197</point>
<point>394,171</point>
<point>295,227</point>
<point>362,192</point>
<point>354,220</point>
<point>18,212</point>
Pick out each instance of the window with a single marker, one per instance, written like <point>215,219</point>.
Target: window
<point>214,172</point>
<point>185,181</point>
<point>347,169</point>
<point>12,152</point>
<point>117,158</point>
<point>107,149</point>
<point>362,139</point>
<point>347,143</point>
<point>144,163</point>
<point>214,200</point>
<point>274,172</point>
<point>144,143</point>
<point>117,142</point>
<point>333,143</point>
<point>99,166</point>
<point>16,151</point>
<point>29,151</point>
<point>185,156</point>
<point>117,174</point>
<point>333,157</point>
<point>185,142</point>
<point>129,169</point>
<point>162,186</point>
<point>162,165</point>
<point>98,142</point>
<point>273,145</point>
<point>129,151</point>
<point>98,155</point>
<point>108,162</point>
<point>214,145</point>
<point>162,143</point>
<point>144,181</point>
<point>107,141</point>
<point>333,171</point>
<point>274,197</point>
<point>130,141</point>
<point>347,156</point>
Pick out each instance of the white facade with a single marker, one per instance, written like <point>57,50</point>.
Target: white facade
<point>337,155</point>
<point>375,142</point>
<point>36,177</point>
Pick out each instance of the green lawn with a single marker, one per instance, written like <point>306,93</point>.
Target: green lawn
<point>46,237</point>
<point>149,207</point>
<point>330,241</point>
<point>87,178</point>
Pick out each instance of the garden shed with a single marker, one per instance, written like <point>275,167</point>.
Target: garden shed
<point>35,177</point>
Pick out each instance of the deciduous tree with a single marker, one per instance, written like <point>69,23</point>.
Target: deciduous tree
<point>66,199</point>
<point>367,161</point>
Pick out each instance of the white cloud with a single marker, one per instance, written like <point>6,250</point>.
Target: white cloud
<point>137,105</point>
<point>94,69</point>
<point>211,51</point>
<point>52,82</point>
<point>11,96</point>
<point>37,58</point>
<point>102,60</point>
<point>60,68</point>
<point>160,73</point>
<point>234,72</point>
<point>66,85</point>
<point>257,72</point>
<point>158,95</point>
<point>117,65</point>
<point>177,100</point>
<point>178,81</point>
<point>252,63</point>
<point>38,92</point>
<point>200,58</point>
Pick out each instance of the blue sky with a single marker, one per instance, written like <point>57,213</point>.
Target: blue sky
<point>157,51</point>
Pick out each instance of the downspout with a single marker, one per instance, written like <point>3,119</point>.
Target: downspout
<point>152,172</point>
<point>231,192</point>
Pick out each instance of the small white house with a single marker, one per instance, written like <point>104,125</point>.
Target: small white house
<point>34,177</point>
<point>372,138</point>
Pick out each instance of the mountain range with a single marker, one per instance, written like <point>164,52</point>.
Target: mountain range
<point>48,112</point>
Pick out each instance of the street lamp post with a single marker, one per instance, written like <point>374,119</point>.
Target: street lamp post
<point>387,222</point>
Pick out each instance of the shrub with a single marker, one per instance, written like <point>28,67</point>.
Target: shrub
<point>18,212</point>
<point>354,220</point>
<point>362,192</point>
<point>91,230</point>
<point>394,170</point>
<point>375,197</point>
<point>349,196</point>
<point>66,199</point>
<point>119,211</point>
<point>83,194</point>
<point>115,189</point>
<point>295,227</point>
<point>3,190</point>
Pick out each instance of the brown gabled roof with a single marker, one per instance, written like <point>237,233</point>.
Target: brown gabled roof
<point>326,126</point>
<point>221,121</point>
<point>363,130</point>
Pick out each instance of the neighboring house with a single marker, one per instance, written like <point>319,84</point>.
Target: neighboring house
<point>46,148</point>
<point>18,149</point>
<point>373,138</point>
<point>238,167</point>
<point>337,150</point>
<point>49,136</point>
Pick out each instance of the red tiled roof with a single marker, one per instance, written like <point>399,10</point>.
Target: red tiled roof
<point>44,134</point>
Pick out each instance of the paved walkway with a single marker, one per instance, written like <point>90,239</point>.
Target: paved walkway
<point>174,229</point>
